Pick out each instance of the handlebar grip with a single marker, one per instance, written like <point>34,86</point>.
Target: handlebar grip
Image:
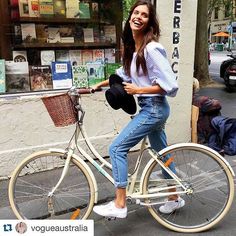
<point>96,90</point>
<point>84,90</point>
<point>87,90</point>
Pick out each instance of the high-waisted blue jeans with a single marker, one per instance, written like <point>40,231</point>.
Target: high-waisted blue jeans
<point>150,121</point>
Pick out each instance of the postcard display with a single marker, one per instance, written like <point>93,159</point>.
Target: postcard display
<point>59,43</point>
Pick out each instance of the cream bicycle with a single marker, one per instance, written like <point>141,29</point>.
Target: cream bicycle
<point>58,184</point>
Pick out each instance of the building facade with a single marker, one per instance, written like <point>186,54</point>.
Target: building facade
<point>222,21</point>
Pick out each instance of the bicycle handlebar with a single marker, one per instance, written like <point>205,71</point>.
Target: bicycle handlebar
<point>78,91</point>
<point>84,90</point>
<point>88,90</point>
<point>75,93</point>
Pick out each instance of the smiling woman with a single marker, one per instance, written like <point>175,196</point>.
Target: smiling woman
<point>147,74</point>
<point>138,23</point>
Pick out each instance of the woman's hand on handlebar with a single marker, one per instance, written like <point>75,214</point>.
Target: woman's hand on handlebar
<point>98,87</point>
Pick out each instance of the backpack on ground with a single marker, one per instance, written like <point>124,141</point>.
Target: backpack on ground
<point>224,137</point>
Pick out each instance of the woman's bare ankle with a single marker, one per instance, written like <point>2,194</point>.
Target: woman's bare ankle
<point>120,204</point>
<point>120,200</point>
<point>173,198</point>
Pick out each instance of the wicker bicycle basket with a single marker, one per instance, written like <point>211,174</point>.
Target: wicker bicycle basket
<point>61,109</point>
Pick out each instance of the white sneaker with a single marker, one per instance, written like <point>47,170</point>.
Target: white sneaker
<point>110,210</point>
<point>171,206</point>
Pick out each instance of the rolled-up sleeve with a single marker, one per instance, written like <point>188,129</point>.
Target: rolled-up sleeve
<point>120,71</point>
<point>159,69</point>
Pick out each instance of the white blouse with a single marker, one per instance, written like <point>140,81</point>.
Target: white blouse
<point>158,68</point>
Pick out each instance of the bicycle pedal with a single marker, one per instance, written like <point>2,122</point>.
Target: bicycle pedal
<point>110,218</point>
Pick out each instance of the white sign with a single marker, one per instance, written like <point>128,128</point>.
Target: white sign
<point>176,36</point>
<point>178,30</point>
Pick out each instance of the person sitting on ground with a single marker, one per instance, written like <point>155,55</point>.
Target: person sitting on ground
<point>208,109</point>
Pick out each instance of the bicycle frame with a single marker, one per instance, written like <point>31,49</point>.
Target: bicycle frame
<point>134,190</point>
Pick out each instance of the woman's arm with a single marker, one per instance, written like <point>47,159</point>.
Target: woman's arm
<point>133,89</point>
<point>159,69</point>
<point>104,83</point>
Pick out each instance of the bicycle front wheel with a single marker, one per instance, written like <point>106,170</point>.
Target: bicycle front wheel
<point>34,179</point>
<point>211,183</point>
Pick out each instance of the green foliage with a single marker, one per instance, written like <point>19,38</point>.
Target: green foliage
<point>221,4</point>
<point>126,8</point>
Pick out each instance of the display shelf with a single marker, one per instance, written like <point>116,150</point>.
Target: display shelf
<point>64,45</point>
<point>59,20</point>
<point>81,41</point>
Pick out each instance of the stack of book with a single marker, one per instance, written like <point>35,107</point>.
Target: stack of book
<point>80,76</point>
<point>34,8</point>
<point>88,35</point>
<point>84,10</point>
<point>54,35</point>
<point>62,55</point>
<point>14,9</point>
<point>55,73</point>
<point>17,76</point>
<point>67,34</point>
<point>23,8</point>
<point>47,57</point>
<point>61,75</point>
<point>72,8</point>
<point>28,33</point>
<point>59,8</point>
<point>43,33</point>
<point>46,8</point>
<point>2,76</point>
<point>96,72</point>
<point>19,56</point>
<point>40,78</point>
<point>110,33</point>
<point>75,57</point>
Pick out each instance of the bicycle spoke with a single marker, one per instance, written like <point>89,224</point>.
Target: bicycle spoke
<point>36,179</point>
<point>210,189</point>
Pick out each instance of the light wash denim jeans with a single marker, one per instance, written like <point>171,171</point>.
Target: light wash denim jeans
<point>149,121</point>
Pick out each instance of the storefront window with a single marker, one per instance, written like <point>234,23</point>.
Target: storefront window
<point>48,45</point>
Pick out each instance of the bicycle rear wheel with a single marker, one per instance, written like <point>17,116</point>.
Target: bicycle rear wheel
<point>36,176</point>
<point>210,179</point>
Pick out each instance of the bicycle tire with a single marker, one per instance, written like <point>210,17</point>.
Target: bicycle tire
<point>211,180</point>
<point>35,177</point>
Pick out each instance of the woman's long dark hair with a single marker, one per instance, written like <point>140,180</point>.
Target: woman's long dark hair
<point>151,33</point>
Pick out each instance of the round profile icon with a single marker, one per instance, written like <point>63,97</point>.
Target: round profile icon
<point>21,227</point>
